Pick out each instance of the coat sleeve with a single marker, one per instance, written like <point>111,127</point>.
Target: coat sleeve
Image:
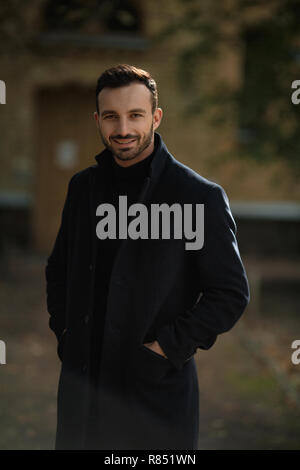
<point>222,282</point>
<point>56,274</point>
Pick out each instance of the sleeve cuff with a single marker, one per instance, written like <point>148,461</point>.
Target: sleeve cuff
<point>177,352</point>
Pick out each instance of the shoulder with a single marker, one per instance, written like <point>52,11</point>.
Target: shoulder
<point>188,181</point>
<point>80,180</point>
<point>192,187</point>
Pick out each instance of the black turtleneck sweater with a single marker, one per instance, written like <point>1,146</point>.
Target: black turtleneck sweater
<point>124,181</point>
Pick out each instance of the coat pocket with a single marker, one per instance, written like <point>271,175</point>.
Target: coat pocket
<point>149,365</point>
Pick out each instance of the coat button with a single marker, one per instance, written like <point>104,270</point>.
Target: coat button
<point>86,319</point>
<point>90,267</point>
<point>84,368</point>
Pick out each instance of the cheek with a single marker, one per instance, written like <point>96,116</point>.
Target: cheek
<point>106,129</point>
<point>145,128</point>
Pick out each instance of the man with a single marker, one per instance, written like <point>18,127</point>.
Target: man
<point>130,312</point>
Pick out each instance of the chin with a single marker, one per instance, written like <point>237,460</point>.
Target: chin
<point>124,156</point>
<point>129,154</point>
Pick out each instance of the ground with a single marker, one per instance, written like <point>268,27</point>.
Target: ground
<point>249,388</point>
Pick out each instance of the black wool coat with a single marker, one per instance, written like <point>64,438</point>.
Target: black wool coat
<point>158,291</point>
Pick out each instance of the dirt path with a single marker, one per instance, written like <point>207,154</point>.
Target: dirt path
<point>242,406</point>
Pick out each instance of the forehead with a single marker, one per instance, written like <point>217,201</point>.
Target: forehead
<point>134,95</point>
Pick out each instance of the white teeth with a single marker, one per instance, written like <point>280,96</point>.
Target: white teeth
<point>124,141</point>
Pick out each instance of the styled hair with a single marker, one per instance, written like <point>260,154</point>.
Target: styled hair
<point>124,74</point>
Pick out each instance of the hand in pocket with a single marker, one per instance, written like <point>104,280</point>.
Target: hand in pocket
<point>155,347</point>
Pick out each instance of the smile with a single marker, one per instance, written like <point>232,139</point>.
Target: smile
<point>124,142</point>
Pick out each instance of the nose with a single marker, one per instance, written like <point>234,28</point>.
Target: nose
<point>122,128</point>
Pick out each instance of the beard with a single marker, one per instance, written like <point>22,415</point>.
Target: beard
<point>127,153</point>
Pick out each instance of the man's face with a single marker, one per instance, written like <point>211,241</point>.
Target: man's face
<point>126,123</point>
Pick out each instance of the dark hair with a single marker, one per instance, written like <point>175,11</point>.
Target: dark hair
<point>124,74</point>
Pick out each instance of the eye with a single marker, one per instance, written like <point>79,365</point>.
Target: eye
<point>109,116</point>
<point>136,115</point>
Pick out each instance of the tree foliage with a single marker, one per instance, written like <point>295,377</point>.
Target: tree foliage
<point>266,35</point>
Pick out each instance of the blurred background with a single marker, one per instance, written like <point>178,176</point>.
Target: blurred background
<point>224,72</point>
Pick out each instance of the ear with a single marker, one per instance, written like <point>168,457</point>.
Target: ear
<point>157,117</point>
<point>96,117</point>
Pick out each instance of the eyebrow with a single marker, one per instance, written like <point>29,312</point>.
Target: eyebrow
<point>136,110</point>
